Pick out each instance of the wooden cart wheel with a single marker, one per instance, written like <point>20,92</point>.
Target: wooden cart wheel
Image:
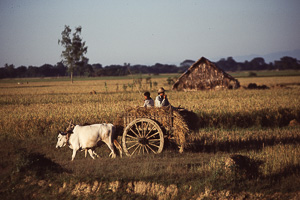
<point>142,136</point>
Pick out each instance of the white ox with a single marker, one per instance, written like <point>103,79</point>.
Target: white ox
<point>87,137</point>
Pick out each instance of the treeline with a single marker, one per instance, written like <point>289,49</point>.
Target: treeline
<point>229,64</point>
<point>58,70</point>
<point>259,63</point>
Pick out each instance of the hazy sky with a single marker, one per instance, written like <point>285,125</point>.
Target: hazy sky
<point>147,31</point>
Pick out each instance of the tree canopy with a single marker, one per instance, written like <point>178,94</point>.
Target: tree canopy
<point>74,50</point>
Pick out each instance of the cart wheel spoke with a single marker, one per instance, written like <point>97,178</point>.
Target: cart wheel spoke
<point>134,132</point>
<point>136,127</point>
<point>143,149</point>
<point>146,148</point>
<point>149,131</point>
<point>136,149</point>
<point>152,135</point>
<point>153,145</point>
<point>142,129</point>
<point>135,138</point>
<point>145,129</point>
<point>132,146</point>
<point>150,148</point>
<point>132,141</point>
<point>150,140</point>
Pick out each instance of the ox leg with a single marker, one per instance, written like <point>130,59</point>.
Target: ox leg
<point>91,153</point>
<point>112,153</point>
<point>74,154</point>
<point>116,143</point>
<point>95,154</point>
<point>85,152</point>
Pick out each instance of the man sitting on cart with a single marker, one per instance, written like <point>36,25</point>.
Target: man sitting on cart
<point>161,100</point>
<point>148,103</point>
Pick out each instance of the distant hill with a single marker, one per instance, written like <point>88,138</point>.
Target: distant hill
<point>270,57</point>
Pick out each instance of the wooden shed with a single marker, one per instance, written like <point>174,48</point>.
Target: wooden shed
<point>205,75</point>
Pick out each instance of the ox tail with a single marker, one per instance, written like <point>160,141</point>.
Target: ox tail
<point>118,146</point>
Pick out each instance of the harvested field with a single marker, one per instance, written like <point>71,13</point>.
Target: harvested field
<point>259,125</point>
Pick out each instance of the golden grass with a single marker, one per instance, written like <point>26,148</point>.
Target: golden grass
<point>42,108</point>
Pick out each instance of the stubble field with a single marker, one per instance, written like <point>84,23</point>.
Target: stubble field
<point>253,124</point>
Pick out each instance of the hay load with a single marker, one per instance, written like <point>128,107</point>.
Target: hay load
<point>172,121</point>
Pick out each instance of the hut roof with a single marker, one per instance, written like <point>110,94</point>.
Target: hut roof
<point>212,72</point>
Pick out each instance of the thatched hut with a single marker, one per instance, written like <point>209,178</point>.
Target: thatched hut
<point>203,75</point>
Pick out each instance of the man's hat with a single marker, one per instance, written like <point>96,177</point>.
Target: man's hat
<point>161,90</point>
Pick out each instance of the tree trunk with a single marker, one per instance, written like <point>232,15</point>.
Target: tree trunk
<point>72,77</point>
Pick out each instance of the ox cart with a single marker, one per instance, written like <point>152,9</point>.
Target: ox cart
<point>147,129</point>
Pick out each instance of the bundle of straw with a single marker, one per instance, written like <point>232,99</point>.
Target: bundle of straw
<point>181,129</point>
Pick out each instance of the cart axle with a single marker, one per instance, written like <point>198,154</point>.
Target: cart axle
<point>143,141</point>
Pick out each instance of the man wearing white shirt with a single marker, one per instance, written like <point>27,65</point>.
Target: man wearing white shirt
<point>161,100</point>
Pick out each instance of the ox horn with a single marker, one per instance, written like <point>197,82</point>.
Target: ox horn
<point>70,122</point>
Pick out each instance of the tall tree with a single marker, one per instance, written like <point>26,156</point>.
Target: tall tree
<point>74,49</point>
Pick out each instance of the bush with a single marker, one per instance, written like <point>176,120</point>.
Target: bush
<point>252,74</point>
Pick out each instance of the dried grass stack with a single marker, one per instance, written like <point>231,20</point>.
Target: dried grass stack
<point>181,129</point>
<point>162,116</point>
